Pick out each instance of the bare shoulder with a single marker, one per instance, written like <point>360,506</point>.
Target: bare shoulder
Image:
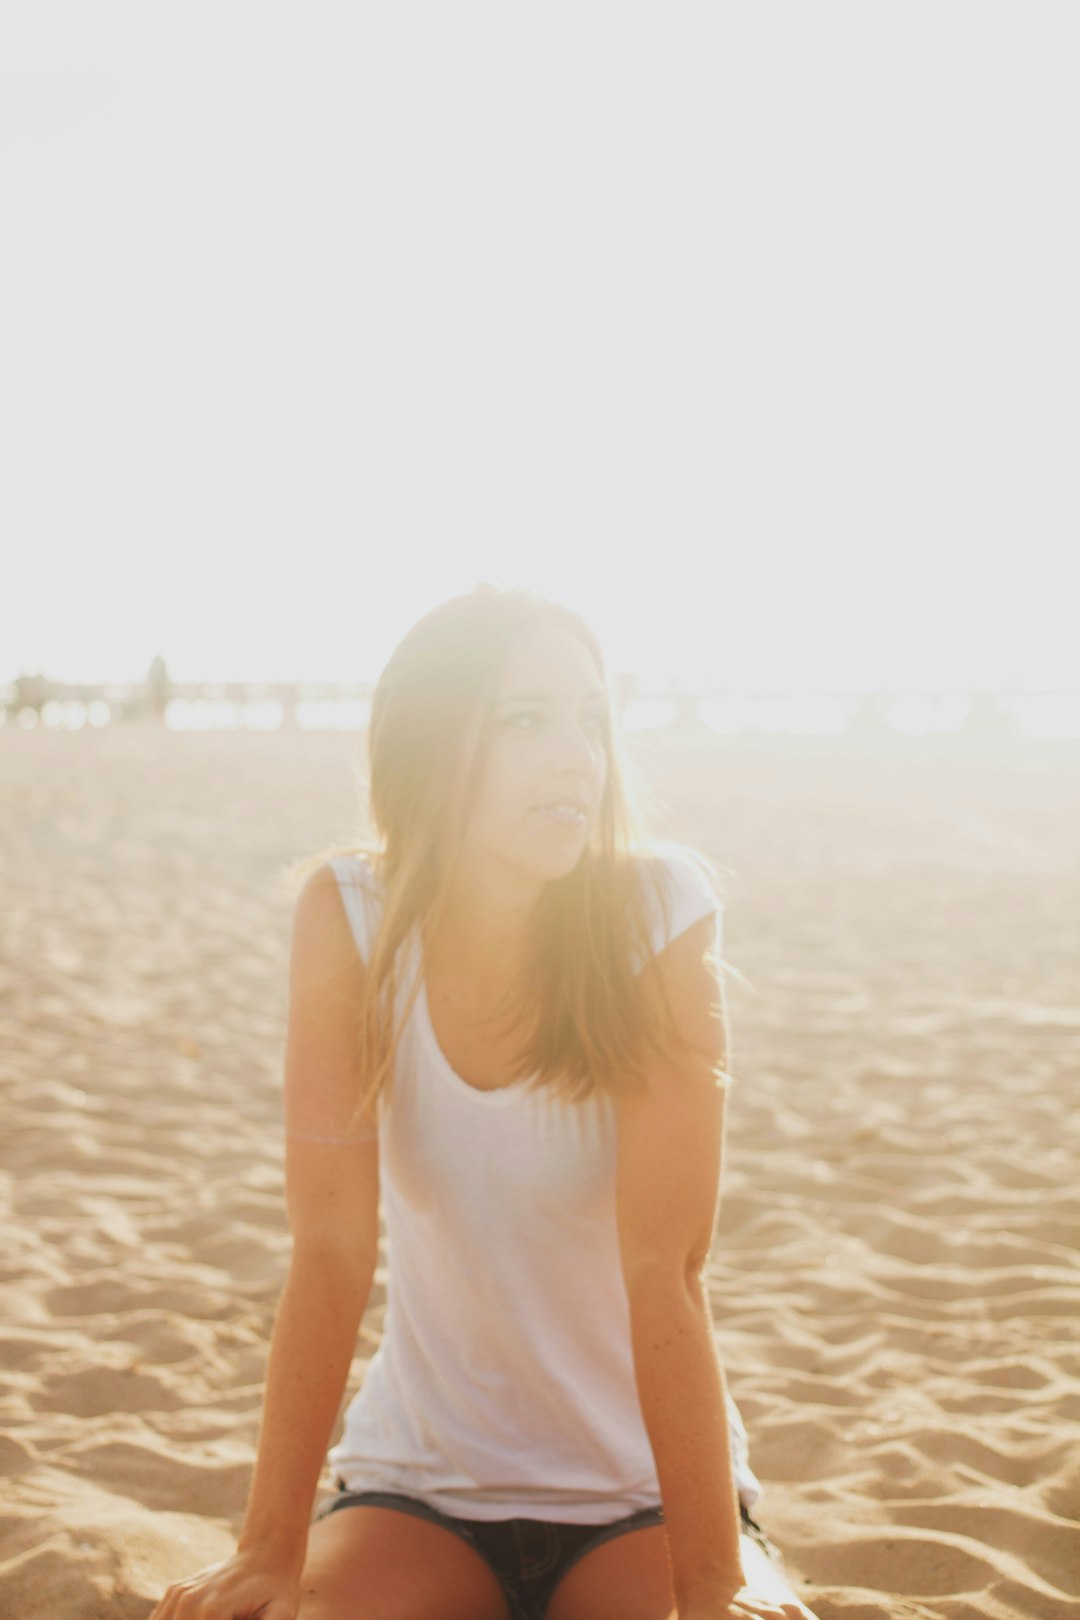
<point>331,1164</point>
<point>687,971</point>
<point>323,946</point>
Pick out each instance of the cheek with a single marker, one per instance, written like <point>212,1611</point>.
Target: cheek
<point>505,789</point>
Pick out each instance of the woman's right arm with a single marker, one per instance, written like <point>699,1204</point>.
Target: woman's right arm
<point>332,1199</point>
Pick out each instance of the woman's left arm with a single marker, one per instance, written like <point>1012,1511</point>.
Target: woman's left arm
<point>669,1157</point>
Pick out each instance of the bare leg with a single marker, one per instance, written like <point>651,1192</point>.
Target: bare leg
<point>373,1563</point>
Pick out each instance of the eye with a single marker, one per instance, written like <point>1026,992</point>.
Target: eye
<point>598,718</point>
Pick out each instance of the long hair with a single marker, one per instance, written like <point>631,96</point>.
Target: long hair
<point>592,1021</point>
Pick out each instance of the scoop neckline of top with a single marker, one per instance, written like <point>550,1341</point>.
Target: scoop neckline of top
<point>489,1096</point>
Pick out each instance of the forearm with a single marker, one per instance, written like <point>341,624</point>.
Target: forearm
<point>682,1391</point>
<point>311,1348</point>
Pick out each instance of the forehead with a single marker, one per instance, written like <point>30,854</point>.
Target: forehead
<point>548,659</point>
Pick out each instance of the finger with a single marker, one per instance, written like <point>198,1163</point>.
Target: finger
<point>182,1601</point>
<point>280,1609</point>
<point>174,1603</point>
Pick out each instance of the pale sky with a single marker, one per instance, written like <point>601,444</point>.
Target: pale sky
<point>750,331</point>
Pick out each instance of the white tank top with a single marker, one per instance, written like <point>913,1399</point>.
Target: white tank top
<point>503,1386</point>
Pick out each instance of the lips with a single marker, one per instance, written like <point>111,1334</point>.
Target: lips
<point>555,804</point>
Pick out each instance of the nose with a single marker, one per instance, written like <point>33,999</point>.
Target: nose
<point>577,751</point>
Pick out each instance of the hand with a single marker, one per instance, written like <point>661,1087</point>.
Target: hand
<point>248,1586</point>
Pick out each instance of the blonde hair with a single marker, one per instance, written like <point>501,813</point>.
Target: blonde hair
<point>592,1021</point>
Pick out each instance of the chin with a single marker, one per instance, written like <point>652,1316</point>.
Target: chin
<point>561,861</point>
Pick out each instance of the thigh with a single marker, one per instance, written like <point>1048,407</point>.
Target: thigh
<point>628,1576</point>
<point>624,1576</point>
<point>372,1561</point>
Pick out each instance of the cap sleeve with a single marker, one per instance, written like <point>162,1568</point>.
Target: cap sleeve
<point>689,893</point>
<point>358,891</point>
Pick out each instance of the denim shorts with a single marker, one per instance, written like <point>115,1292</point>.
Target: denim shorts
<point>528,1556</point>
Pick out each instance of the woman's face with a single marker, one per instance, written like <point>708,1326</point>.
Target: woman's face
<point>546,742</point>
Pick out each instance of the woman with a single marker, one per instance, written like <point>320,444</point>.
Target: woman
<point>505,1015</point>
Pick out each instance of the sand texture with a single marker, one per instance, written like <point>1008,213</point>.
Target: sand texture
<point>896,1269</point>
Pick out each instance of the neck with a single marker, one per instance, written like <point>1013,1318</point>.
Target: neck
<point>485,931</point>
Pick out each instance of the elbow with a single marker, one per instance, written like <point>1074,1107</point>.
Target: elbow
<point>696,1283</point>
<point>666,1275</point>
<point>697,1264</point>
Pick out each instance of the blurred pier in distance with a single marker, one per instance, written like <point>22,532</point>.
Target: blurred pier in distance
<point>682,718</point>
<point>34,699</point>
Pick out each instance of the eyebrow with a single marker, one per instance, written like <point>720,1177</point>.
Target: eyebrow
<point>545,697</point>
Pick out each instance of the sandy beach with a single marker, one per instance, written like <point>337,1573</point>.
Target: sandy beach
<point>897,1266</point>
